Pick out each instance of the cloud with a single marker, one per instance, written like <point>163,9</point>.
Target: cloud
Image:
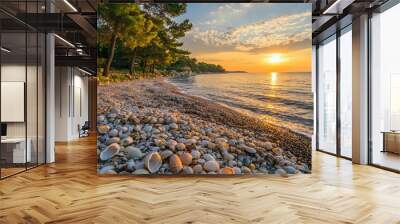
<point>279,31</point>
<point>227,12</point>
<point>232,8</point>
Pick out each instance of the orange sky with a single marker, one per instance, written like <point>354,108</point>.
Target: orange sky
<point>291,61</point>
<point>245,36</point>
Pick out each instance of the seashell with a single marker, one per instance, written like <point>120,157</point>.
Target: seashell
<point>153,162</point>
<point>186,158</point>
<point>175,164</point>
<point>110,151</point>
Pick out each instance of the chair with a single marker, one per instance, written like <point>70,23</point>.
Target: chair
<point>84,130</point>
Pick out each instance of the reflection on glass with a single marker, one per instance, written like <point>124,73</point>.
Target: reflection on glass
<point>385,84</point>
<point>327,96</point>
<point>13,85</point>
<point>346,94</point>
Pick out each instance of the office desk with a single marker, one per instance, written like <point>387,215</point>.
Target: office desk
<point>13,150</point>
<point>391,141</point>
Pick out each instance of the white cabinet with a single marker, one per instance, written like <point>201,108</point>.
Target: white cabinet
<point>18,149</point>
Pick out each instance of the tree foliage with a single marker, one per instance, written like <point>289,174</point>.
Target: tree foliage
<point>145,38</point>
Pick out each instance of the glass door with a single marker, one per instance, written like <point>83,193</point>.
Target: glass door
<point>385,90</point>
<point>326,99</point>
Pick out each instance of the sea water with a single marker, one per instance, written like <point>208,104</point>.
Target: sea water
<point>284,99</point>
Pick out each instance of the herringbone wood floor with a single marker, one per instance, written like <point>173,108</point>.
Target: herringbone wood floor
<point>70,191</point>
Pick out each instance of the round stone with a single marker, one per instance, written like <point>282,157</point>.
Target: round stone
<point>228,156</point>
<point>172,144</point>
<point>196,154</point>
<point>141,172</point>
<point>197,169</point>
<point>133,152</point>
<point>103,129</point>
<point>173,126</point>
<point>180,146</point>
<point>227,171</point>
<point>208,157</point>
<point>175,164</point>
<point>290,169</point>
<point>186,158</point>
<point>130,165</point>
<point>277,151</point>
<point>237,170</point>
<point>166,153</point>
<point>250,150</point>
<point>246,170</point>
<point>222,146</point>
<point>281,172</point>
<point>113,133</point>
<point>268,145</point>
<point>211,166</point>
<point>147,128</point>
<point>187,170</point>
<point>127,141</point>
<point>112,140</point>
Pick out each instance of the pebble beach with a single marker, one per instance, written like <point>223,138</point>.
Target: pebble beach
<point>150,127</point>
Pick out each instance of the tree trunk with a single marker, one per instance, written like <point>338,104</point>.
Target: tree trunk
<point>132,69</point>
<point>144,65</point>
<point>110,58</point>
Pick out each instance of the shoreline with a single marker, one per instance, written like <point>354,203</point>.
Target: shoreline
<point>244,113</point>
<point>280,147</point>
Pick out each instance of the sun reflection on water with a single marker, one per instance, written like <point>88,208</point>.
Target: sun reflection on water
<point>274,78</point>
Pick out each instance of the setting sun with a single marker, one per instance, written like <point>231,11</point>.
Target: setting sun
<point>274,58</point>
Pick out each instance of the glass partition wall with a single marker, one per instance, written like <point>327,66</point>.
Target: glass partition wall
<point>327,95</point>
<point>385,89</point>
<point>334,93</point>
<point>22,77</point>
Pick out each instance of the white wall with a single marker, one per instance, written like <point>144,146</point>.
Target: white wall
<point>70,84</point>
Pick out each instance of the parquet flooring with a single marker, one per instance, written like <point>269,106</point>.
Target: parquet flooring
<point>70,191</point>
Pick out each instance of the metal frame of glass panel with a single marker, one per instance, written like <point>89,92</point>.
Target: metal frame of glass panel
<point>337,35</point>
<point>389,4</point>
<point>39,55</point>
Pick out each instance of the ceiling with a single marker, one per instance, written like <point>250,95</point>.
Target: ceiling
<point>74,22</point>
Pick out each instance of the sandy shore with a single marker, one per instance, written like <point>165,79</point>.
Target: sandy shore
<point>152,108</point>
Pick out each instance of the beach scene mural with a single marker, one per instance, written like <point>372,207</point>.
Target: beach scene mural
<point>204,89</point>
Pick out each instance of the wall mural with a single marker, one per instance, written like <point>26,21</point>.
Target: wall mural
<point>204,89</point>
